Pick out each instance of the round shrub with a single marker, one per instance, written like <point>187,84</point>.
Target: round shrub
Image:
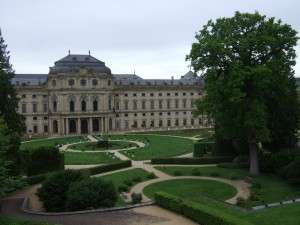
<point>151,175</point>
<point>196,172</point>
<point>137,179</point>
<point>128,182</point>
<point>136,198</point>
<point>123,188</point>
<point>177,173</point>
<point>53,192</point>
<point>242,202</point>
<point>91,193</point>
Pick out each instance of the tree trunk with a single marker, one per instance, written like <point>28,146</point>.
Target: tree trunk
<point>254,164</point>
<point>253,149</point>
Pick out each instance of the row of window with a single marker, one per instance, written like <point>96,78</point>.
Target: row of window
<point>83,82</point>
<point>159,94</point>
<point>117,105</point>
<point>34,96</point>
<point>153,114</point>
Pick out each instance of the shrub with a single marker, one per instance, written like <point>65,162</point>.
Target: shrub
<point>53,192</point>
<point>177,173</point>
<point>128,182</point>
<point>291,172</point>
<point>214,174</point>
<point>196,172</point>
<point>202,147</point>
<point>91,193</point>
<point>202,214</point>
<point>242,202</point>
<point>137,179</point>
<point>36,179</point>
<point>136,198</point>
<point>151,175</point>
<point>191,161</point>
<point>123,188</point>
<point>233,176</point>
<point>44,159</point>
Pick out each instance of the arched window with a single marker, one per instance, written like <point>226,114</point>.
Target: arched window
<point>72,106</point>
<point>95,105</point>
<point>83,106</point>
<point>71,82</point>
<point>53,83</point>
<point>55,127</point>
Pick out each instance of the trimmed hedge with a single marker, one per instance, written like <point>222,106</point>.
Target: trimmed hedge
<point>200,213</point>
<point>36,179</point>
<point>202,147</point>
<point>191,161</point>
<point>110,167</point>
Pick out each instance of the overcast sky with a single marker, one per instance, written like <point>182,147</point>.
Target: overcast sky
<point>150,37</point>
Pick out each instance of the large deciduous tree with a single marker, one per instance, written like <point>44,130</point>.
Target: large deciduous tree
<point>246,61</point>
<point>8,96</point>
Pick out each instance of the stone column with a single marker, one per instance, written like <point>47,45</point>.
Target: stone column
<point>90,125</point>
<point>79,126</point>
<point>67,126</point>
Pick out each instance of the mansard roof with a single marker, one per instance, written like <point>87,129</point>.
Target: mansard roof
<point>73,61</point>
<point>29,79</point>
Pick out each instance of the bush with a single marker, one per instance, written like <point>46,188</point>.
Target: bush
<point>151,175</point>
<point>202,147</point>
<point>123,188</point>
<point>91,193</point>
<point>128,182</point>
<point>242,202</point>
<point>137,179</point>
<point>191,161</point>
<point>53,192</point>
<point>136,198</point>
<point>43,160</point>
<point>202,214</point>
<point>36,179</point>
<point>291,172</point>
<point>177,173</point>
<point>214,174</point>
<point>230,165</point>
<point>196,172</point>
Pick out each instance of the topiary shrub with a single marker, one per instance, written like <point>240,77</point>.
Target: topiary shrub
<point>53,192</point>
<point>128,182</point>
<point>196,172</point>
<point>136,198</point>
<point>151,175</point>
<point>137,179</point>
<point>91,193</point>
<point>123,188</point>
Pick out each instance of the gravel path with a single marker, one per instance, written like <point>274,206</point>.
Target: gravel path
<point>138,216</point>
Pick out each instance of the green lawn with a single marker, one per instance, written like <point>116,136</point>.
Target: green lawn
<point>113,145</point>
<point>7,220</point>
<point>192,189</point>
<point>226,173</point>
<point>52,142</point>
<point>201,133</point>
<point>159,146</point>
<point>119,178</point>
<point>88,158</point>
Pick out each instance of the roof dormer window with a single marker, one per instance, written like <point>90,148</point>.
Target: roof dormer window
<point>74,59</point>
<point>87,59</point>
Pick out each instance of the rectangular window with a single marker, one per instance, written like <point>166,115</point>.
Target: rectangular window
<point>45,107</point>
<point>134,94</point>
<point>168,94</point>
<point>45,118</point>
<point>176,104</point>
<point>143,104</point>
<point>184,103</point>
<point>160,104</point>
<point>126,105</point>
<point>143,123</point>
<point>192,94</point>
<point>34,107</point>
<point>45,128</point>
<point>23,107</point>
<point>143,94</point>
<point>117,124</point>
<point>126,95</point>
<point>169,123</point>
<point>176,122</point>
<point>35,129</point>
<point>159,94</point>
<point>176,94</point>
<point>109,104</point>
<point>126,124</point>
<point>54,106</point>
<point>45,96</point>
<point>152,123</point>
<point>152,104</point>
<point>160,123</point>
<point>192,103</point>
<point>184,122</point>
<point>183,94</point>
<point>135,105</point>
<point>168,104</point>
<point>117,106</point>
<point>192,122</point>
<point>151,94</point>
<point>23,96</point>
<point>34,96</point>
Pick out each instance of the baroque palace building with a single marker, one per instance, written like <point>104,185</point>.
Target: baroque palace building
<point>80,95</point>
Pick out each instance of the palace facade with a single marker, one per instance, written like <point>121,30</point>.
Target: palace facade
<point>80,95</point>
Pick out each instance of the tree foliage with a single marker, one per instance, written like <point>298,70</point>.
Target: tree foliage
<point>246,61</point>
<point>9,100</point>
<point>91,193</point>
<point>53,192</point>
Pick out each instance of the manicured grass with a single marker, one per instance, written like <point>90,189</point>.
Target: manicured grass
<point>7,220</point>
<point>113,145</point>
<point>52,142</point>
<point>119,178</point>
<point>159,146</point>
<point>273,188</point>
<point>89,158</point>
<point>192,189</point>
<point>227,173</point>
<point>201,133</point>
